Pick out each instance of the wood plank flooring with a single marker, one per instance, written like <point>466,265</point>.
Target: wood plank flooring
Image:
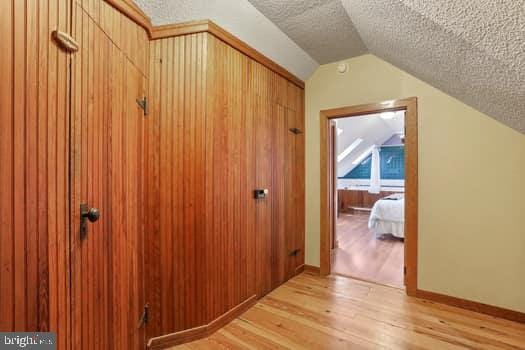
<point>360,254</point>
<point>312,312</point>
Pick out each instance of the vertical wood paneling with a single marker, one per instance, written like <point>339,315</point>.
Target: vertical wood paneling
<point>107,173</point>
<point>219,129</point>
<point>175,258</point>
<point>231,179</point>
<point>34,152</point>
<point>280,167</point>
<point>152,241</point>
<point>35,172</point>
<point>262,114</point>
<point>6,175</point>
<point>129,37</point>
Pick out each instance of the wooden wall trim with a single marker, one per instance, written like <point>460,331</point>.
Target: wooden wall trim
<point>129,9</point>
<point>308,269</point>
<point>172,30</point>
<point>133,12</point>
<point>312,269</point>
<point>253,54</point>
<point>411,180</point>
<point>491,310</point>
<point>168,340</point>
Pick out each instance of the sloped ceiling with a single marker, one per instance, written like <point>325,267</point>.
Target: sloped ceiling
<point>321,27</point>
<point>474,50</point>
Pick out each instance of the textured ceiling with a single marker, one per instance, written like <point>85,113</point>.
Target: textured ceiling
<point>321,27</point>
<point>473,50</point>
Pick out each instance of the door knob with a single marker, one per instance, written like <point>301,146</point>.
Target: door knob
<point>86,213</point>
<point>93,214</point>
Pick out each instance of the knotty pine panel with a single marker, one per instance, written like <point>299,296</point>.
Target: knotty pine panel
<point>34,139</point>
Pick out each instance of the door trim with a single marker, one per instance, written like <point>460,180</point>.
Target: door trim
<point>409,105</point>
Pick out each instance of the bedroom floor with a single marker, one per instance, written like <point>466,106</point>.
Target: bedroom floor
<point>361,255</point>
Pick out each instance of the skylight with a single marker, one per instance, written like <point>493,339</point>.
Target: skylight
<point>388,115</point>
<point>363,155</point>
<point>349,149</point>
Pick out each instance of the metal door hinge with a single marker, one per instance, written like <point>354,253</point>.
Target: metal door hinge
<point>404,270</point>
<point>65,40</point>
<point>296,131</point>
<point>144,317</point>
<point>143,104</point>
<point>294,252</point>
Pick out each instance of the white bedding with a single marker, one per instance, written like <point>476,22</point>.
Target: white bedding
<point>388,216</point>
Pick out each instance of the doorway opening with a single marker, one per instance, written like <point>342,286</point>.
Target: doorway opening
<point>370,185</point>
<point>369,193</point>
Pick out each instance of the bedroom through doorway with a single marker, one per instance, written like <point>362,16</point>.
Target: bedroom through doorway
<point>369,193</point>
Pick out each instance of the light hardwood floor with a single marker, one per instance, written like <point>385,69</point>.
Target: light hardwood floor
<point>312,312</point>
<point>360,254</point>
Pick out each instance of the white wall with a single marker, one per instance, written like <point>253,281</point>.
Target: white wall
<point>471,183</point>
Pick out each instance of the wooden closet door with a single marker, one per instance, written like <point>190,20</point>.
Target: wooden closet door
<point>107,279</point>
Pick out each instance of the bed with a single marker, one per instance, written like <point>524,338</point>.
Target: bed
<point>388,216</point>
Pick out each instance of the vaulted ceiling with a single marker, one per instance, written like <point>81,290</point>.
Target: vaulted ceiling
<point>474,50</point>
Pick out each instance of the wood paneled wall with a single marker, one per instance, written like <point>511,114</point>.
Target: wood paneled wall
<point>181,179</point>
<point>175,234</point>
<point>219,129</point>
<point>127,35</point>
<point>107,173</point>
<point>229,163</point>
<point>277,108</point>
<point>358,199</point>
<point>34,153</point>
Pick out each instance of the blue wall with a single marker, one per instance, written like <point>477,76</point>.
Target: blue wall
<point>392,165</point>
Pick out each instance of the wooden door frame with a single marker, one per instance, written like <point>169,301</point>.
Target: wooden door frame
<point>409,105</point>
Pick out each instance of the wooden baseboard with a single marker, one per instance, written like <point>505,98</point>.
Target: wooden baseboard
<point>312,269</point>
<point>472,306</point>
<point>299,269</point>
<point>169,340</point>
